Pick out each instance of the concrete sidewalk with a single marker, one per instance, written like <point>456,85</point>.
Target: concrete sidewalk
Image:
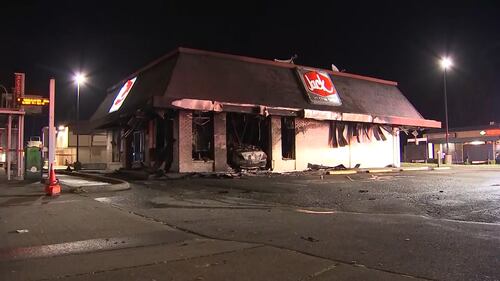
<point>72,237</point>
<point>83,182</point>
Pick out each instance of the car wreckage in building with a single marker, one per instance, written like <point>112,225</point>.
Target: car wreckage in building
<point>200,111</point>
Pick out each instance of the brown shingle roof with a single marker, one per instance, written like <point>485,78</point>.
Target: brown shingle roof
<point>194,74</point>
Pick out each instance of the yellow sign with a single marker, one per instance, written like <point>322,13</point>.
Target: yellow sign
<point>33,101</point>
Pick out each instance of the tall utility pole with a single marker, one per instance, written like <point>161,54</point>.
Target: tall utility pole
<point>77,122</point>
<point>79,79</point>
<point>446,63</point>
<point>446,113</point>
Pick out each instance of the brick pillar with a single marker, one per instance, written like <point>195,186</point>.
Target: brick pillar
<point>276,156</point>
<point>220,149</point>
<point>183,130</point>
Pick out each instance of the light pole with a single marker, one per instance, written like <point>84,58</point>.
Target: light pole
<point>79,79</point>
<point>445,64</point>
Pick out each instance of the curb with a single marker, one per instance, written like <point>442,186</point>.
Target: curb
<point>441,168</point>
<point>415,169</point>
<point>386,170</point>
<point>114,184</point>
<point>372,171</point>
<point>342,172</point>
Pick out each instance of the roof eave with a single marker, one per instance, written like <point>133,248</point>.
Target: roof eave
<point>208,105</point>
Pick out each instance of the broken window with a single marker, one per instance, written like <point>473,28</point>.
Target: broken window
<point>288,137</point>
<point>116,144</point>
<point>138,146</point>
<point>203,131</point>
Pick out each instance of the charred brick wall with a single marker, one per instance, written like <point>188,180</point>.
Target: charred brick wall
<point>220,148</point>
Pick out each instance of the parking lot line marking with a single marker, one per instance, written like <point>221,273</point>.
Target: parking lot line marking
<point>314,212</point>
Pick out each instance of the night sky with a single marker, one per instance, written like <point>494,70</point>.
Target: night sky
<point>400,41</point>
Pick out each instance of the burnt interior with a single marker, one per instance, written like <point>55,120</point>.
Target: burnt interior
<point>164,150</point>
<point>288,137</point>
<point>203,131</point>
<point>243,129</point>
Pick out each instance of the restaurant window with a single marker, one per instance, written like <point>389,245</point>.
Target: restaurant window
<point>203,131</point>
<point>288,137</point>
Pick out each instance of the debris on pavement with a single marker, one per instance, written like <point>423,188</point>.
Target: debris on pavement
<point>79,189</point>
<point>22,231</point>
<point>328,168</point>
<point>309,238</point>
<point>363,191</point>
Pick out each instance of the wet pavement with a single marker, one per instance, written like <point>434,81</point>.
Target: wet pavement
<point>425,225</point>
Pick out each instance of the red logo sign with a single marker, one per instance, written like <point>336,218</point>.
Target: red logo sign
<point>319,87</point>
<point>122,95</point>
<point>319,83</point>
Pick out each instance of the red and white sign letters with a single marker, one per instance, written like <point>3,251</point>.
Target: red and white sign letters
<point>122,95</point>
<point>319,87</point>
<point>319,83</point>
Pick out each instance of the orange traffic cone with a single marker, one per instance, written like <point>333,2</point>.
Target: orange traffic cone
<point>52,187</point>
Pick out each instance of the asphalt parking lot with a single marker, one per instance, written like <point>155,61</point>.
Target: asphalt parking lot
<point>468,194</point>
<point>431,225</point>
<point>421,225</point>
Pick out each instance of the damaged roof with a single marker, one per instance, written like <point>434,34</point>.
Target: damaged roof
<point>194,75</point>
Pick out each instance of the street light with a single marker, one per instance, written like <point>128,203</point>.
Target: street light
<point>445,64</point>
<point>79,79</point>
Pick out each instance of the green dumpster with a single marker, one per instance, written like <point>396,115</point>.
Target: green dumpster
<point>33,163</point>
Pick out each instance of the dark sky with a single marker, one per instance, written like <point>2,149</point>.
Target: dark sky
<point>400,41</point>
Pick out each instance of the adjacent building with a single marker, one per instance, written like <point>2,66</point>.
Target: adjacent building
<point>92,146</point>
<point>190,110</point>
<point>469,145</point>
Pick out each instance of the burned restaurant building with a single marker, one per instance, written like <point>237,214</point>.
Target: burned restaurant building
<point>199,111</point>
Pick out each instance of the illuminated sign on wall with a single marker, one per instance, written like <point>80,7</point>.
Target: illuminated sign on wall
<point>33,101</point>
<point>319,87</point>
<point>18,85</point>
<point>122,95</point>
<point>493,132</point>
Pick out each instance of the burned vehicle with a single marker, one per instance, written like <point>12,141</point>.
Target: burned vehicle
<point>247,157</point>
<point>247,141</point>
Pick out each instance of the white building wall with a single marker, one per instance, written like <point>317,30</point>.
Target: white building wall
<point>376,154</point>
<point>311,146</point>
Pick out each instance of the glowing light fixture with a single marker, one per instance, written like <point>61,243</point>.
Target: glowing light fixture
<point>79,78</point>
<point>477,142</point>
<point>61,128</point>
<point>482,133</point>
<point>446,62</point>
